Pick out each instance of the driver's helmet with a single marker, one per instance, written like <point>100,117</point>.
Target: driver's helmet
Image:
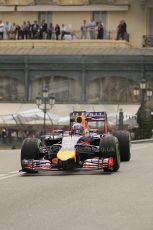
<point>77,129</point>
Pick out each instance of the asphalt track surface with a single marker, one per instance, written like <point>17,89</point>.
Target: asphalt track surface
<point>78,201</point>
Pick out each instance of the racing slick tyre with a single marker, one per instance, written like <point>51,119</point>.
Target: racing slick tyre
<point>30,150</point>
<point>124,143</point>
<point>109,147</point>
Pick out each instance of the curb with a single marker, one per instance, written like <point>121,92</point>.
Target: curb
<point>142,141</point>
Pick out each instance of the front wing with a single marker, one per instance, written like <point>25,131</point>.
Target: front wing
<point>89,164</point>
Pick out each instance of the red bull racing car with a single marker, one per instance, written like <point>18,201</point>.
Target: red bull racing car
<point>80,149</point>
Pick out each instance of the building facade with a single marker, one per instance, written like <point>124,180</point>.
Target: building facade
<point>138,14</point>
<point>79,71</point>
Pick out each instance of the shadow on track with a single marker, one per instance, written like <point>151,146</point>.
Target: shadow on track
<point>66,173</point>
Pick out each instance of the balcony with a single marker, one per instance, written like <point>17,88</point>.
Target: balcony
<point>114,2</point>
<point>16,2</point>
<point>65,2</point>
<point>82,2</point>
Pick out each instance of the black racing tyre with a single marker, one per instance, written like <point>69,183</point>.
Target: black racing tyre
<point>30,150</point>
<point>109,147</point>
<point>125,144</point>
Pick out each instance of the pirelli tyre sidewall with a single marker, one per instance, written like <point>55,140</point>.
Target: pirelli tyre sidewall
<point>30,150</point>
<point>109,147</point>
<point>125,144</point>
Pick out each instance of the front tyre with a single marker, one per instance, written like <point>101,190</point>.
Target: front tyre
<point>109,147</point>
<point>124,143</point>
<point>30,150</point>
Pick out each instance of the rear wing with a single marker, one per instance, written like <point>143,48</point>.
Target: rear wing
<point>89,117</point>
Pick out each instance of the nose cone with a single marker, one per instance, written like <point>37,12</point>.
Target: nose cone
<point>64,155</point>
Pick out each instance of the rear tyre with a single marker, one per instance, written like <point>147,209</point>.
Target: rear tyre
<point>30,150</point>
<point>109,147</point>
<point>124,143</point>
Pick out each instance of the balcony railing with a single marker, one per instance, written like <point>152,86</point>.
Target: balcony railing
<point>64,2</point>
<point>147,40</point>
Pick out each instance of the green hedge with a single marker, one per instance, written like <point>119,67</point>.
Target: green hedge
<point>145,132</point>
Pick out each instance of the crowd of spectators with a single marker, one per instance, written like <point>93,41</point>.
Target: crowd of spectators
<point>14,135</point>
<point>95,29</point>
<point>43,30</point>
<point>26,30</point>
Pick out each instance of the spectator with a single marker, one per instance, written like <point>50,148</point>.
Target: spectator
<point>121,30</point>
<point>13,31</point>
<point>29,29</point>
<point>7,28</point>
<point>92,29</point>
<point>18,32</point>
<point>40,32</point>
<point>100,31</point>
<point>57,31</point>
<point>24,30</point>
<point>63,31</point>
<point>84,27</point>
<point>35,30</point>
<point>4,135</point>
<point>2,28</point>
<point>14,135</point>
<point>50,31</point>
<point>44,29</point>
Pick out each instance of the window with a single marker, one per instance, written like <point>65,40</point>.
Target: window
<point>151,22</point>
<point>47,16</point>
<point>101,17</point>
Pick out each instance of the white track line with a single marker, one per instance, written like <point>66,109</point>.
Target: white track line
<point>3,175</point>
<point>13,172</point>
<point>6,176</point>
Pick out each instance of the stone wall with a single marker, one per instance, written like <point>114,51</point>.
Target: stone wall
<point>80,72</point>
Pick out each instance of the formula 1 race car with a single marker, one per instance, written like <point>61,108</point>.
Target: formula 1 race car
<point>81,149</point>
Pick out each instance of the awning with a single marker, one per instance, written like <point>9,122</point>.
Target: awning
<point>6,8</point>
<point>73,8</point>
<point>19,113</point>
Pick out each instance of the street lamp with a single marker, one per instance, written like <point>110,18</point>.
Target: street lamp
<point>45,102</point>
<point>121,117</point>
<point>145,93</point>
